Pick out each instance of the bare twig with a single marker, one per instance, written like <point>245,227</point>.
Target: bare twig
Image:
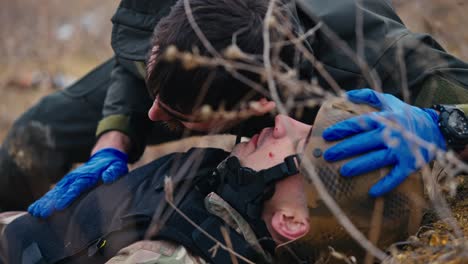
<point>218,243</point>
<point>339,214</point>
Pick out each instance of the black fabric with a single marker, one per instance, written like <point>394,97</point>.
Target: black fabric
<point>246,189</point>
<point>117,214</point>
<point>59,130</point>
<point>134,23</point>
<point>179,230</point>
<point>127,96</point>
<point>44,142</point>
<point>384,34</point>
<point>239,245</point>
<point>385,41</point>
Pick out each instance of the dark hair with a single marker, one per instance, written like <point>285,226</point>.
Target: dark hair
<point>219,20</point>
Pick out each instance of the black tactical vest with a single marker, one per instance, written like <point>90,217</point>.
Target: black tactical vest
<point>113,216</point>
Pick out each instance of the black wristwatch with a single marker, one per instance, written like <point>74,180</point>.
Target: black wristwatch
<point>453,124</point>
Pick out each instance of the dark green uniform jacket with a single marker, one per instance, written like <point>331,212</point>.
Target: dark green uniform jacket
<point>127,101</point>
<point>395,56</point>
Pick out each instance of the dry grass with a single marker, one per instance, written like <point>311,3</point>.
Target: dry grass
<point>444,19</point>
<point>435,243</point>
<point>30,43</point>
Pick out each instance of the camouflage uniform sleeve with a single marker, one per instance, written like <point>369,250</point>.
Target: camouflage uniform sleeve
<point>155,252</point>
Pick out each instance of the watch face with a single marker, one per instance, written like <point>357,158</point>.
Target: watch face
<point>458,123</point>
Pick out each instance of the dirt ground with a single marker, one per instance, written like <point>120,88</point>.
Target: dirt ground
<point>436,242</point>
<point>56,41</point>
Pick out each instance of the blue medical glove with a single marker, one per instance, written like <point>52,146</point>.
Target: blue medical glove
<point>380,144</point>
<point>107,164</point>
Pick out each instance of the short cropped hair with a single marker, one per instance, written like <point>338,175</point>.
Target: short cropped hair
<point>219,20</point>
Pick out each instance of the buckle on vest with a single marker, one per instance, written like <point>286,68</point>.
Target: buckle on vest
<point>96,247</point>
<point>291,167</point>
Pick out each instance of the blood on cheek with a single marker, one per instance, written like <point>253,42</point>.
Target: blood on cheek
<point>271,155</point>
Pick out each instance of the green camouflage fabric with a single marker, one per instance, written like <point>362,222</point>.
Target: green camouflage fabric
<point>155,252</point>
<point>219,207</point>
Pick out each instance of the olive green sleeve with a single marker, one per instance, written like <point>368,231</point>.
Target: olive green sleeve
<point>463,108</point>
<point>438,89</point>
<point>114,122</point>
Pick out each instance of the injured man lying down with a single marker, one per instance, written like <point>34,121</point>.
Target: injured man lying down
<point>261,203</point>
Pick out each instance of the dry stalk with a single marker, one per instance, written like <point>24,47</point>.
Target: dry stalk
<point>161,214</point>
<point>267,23</point>
<point>435,195</point>
<point>250,63</point>
<point>227,238</point>
<point>359,30</point>
<point>197,30</point>
<point>404,80</point>
<point>321,189</point>
<point>370,76</point>
<point>310,57</point>
<point>218,243</point>
<point>339,214</point>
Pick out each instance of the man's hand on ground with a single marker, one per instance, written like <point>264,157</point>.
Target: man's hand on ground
<point>107,164</point>
<point>382,144</point>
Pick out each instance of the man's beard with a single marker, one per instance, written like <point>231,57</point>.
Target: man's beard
<point>174,126</point>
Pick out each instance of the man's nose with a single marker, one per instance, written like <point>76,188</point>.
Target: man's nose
<point>156,113</point>
<point>282,123</point>
<point>285,125</point>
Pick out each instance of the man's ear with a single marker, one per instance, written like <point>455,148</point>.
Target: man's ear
<point>289,225</point>
<point>262,106</point>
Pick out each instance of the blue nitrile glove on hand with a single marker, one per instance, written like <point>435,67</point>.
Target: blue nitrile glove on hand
<point>107,164</point>
<point>370,137</point>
